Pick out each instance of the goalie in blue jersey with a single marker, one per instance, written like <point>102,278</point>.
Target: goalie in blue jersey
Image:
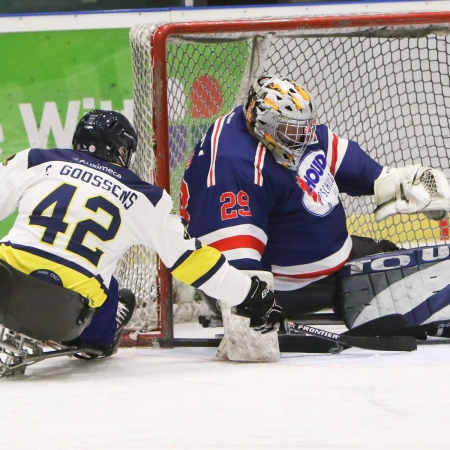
<point>263,187</point>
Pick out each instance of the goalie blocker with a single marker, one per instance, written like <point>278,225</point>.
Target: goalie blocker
<point>414,283</point>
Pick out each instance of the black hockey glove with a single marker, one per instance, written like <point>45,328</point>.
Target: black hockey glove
<point>261,308</point>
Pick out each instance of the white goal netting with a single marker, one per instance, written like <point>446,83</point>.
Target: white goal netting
<point>383,83</point>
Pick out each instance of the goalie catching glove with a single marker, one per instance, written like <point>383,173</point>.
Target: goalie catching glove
<point>412,189</point>
<point>261,308</point>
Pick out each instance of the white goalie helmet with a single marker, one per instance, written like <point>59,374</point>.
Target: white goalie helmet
<point>282,115</point>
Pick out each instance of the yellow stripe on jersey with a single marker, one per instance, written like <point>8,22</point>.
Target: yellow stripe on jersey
<point>198,264</point>
<point>27,262</point>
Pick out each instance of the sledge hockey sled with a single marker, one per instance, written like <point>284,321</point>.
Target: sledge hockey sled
<point>36,318</point>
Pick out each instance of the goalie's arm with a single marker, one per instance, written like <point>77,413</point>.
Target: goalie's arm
<point>412,189</point>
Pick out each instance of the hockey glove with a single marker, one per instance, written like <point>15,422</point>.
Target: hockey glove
<point>412,189</point>
<point>261,308</point>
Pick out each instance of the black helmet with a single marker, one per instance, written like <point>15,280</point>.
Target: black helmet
<point>107,135</point>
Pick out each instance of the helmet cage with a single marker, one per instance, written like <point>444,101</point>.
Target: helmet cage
<point>293,135</point>
<point>283,116</point>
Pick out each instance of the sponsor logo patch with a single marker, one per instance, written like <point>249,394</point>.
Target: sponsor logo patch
<point>317,182</point>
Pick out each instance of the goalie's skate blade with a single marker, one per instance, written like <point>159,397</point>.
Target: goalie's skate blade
<point>383,326</point>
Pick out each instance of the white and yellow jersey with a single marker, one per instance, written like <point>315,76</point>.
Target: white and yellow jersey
<point>78,214</point>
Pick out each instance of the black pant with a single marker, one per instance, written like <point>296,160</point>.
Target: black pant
<point>314,297</point>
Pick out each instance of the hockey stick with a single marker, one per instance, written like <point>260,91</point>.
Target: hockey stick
<point>382,326</point>
<point>383,343</point>
<point>301,342</point>
<point>289,343</point>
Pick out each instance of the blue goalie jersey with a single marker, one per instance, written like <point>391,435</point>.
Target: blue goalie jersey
<point>236,198</point>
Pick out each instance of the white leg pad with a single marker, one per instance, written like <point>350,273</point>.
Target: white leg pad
<point>240,341</point>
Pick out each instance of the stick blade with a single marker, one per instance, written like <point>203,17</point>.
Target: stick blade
<point>382,343</point>
<point>382,326</point>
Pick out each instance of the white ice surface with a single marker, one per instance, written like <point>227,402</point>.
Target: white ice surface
<point>185,398</point>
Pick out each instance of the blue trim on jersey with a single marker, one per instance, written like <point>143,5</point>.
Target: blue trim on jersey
<point>58,260</point>
<point>198,244</point>
<point>185,256</point>
<point>38,156</point>
<point>203,279</point>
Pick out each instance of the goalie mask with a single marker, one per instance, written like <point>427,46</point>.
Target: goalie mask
<point>107,135</point>
<point>282,115</point>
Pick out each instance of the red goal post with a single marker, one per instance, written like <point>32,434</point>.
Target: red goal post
<point>379,79</point>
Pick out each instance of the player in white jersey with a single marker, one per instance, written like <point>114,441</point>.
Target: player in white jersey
<point>80,209</point>
<point>263,186</point>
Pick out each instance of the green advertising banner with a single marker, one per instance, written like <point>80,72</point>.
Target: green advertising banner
<point>48,80</point>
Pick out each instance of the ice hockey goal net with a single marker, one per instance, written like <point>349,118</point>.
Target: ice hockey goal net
<point>382,80</point>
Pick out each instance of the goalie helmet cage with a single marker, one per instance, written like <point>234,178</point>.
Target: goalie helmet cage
<point>380,79</point>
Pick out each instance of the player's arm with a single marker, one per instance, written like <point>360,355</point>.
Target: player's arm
<point>12,172</point>
<point>206,268</point>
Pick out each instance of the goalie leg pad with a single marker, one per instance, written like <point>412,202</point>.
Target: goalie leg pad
<point>414,283</point>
